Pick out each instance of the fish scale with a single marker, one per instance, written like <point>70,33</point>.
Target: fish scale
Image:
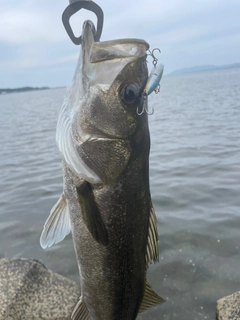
<point>106,201</point>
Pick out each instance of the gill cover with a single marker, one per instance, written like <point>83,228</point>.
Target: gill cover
<point>98,66</point>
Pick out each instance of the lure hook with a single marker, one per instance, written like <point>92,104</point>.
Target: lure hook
<point>149,111</point>
<point>145,106</point>
<point>139,113</point>
<point>151,53</point>
<point>144,95</point>
<point>75,6</point>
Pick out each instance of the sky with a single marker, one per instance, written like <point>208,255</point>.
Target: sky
<point>35,50</point>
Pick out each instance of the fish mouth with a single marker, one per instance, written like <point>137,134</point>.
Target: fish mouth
<point>88,26</point>
<point>118,49</point>
<point>103,61</point>
<point>88,33</point>
<point>111,49</point>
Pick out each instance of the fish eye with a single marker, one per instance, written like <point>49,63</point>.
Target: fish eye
<point>130,93</point>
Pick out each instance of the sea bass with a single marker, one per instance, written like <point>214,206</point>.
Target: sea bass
<point>106,201</point>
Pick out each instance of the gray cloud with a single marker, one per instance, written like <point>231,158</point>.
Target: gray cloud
<point>35,49</point>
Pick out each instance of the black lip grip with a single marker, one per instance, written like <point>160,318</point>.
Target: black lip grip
<point>75,7</point>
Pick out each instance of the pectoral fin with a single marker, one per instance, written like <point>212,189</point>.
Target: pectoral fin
<point>80,312</point>
<point>150,298</point>
<point>57,225</point>
<point>91,214</point>
<point>152,253</point>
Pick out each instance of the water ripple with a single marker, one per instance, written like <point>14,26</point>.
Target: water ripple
<point>195,185</point>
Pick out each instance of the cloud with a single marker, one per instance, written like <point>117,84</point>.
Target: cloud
<point>188,33</point>
<point>25,26</point>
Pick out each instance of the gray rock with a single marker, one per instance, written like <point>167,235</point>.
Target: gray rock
<point>28,290</point>
<point>228,308</point>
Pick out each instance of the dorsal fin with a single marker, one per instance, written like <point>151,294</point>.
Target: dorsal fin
<point>58,224</point>
<point>150,298</point>
<point>152,254</point>
<point>80,312</point>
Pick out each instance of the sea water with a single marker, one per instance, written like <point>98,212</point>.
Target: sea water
<point>195,187</point>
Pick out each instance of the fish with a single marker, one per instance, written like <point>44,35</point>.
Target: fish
<point>106,201</point>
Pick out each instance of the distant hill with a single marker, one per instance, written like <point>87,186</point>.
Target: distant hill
<point>23,89</point>
<point>205,68</point>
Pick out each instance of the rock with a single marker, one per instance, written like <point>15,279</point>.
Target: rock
<point>228,308</point>
<point>29,291</point>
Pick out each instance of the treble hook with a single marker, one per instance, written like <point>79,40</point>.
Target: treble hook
<point>75,6</point>
<point>145,106</point>
<point>155,60</point>
<point>152,83</point>
<point>149,111</point>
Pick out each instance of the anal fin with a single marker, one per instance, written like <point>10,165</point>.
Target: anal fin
<point>58,224</point>
<point>91,214</point>
<point>80,312</point>
<point>150,298</point>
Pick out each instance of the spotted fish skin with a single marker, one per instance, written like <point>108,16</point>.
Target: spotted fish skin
<point>106,200</point>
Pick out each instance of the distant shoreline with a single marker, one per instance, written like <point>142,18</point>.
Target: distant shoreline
<point>204,68</point>
<point>25,89</point>
<point>196,69</point>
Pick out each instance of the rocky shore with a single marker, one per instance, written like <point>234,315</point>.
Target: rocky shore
<point>228,308</point>
<point>29,291</point>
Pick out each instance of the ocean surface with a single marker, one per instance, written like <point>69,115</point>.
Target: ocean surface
<point>195,186</point>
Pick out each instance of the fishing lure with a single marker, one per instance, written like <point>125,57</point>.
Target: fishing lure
<point>153,83</point>
<point>154,79</point>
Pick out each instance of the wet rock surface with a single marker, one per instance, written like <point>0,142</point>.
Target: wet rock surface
<point>28,290</point>
<point>228,308</point>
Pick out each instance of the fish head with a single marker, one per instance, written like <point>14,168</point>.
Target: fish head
<point>106,91</point>
<point>113,77</point>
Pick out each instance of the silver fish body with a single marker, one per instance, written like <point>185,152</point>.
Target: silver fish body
<point>106,200</point>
